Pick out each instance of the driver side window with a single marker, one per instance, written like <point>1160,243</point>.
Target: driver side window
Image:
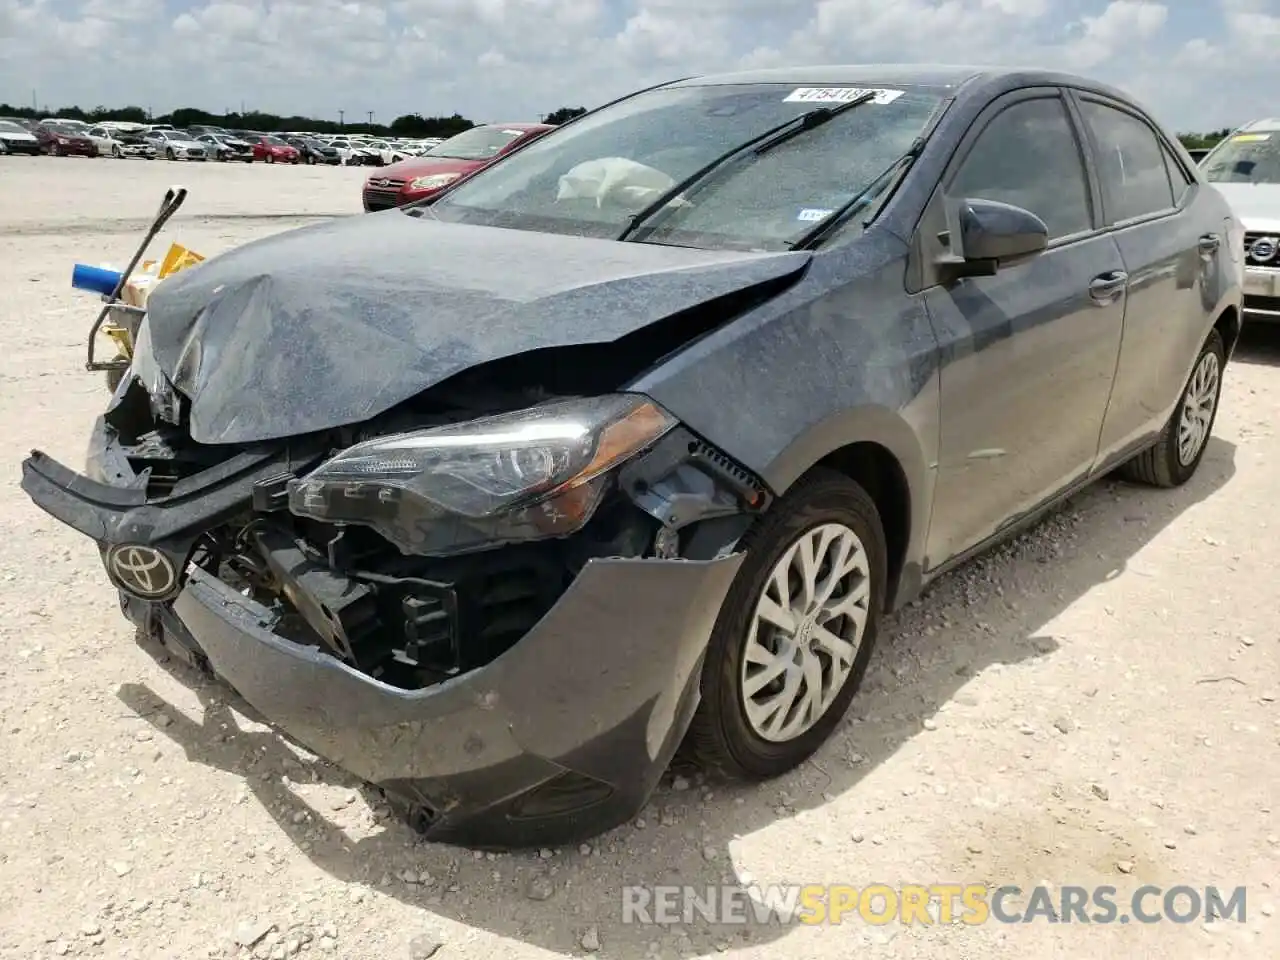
<point>1028,156</point>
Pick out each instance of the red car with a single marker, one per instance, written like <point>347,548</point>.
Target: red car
<point>419,177</point>
<point>274,150</point>
<point>63,141</point>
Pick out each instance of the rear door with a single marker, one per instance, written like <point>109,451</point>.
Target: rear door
<point>1029,354</point>
<point>1168,232</point>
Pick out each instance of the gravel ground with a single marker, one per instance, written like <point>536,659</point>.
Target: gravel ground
<point>1093,704</point>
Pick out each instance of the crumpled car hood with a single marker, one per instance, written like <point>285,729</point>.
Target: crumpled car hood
<point>330,325</point>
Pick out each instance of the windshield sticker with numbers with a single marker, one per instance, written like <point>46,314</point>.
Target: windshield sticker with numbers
<point>840,95</point>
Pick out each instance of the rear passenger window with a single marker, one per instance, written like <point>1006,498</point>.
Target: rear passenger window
<point>1028,156</point>
<point>1131,163</point>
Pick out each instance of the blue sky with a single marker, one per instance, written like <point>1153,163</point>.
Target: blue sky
<point>1200,64</point>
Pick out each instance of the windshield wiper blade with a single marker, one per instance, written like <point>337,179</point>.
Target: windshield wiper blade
<point>867,194</point>
<point>810,120</point>
<point>756,145</point>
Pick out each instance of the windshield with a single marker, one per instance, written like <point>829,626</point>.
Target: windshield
<point>8,126</point>
<point>274,142</point>
<point>478,143</point>
<point>1246,158</point>
<point>591,178</point>
<point>62,128</point>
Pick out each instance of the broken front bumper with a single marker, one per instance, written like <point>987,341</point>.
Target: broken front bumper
<point>560,738</point>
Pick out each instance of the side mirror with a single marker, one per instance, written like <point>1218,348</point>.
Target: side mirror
<point>987,235</point>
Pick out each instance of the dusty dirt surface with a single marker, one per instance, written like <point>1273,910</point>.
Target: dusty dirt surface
<point>1094,704</point>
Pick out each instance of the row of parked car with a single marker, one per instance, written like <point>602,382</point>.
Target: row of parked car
<point>65,137</point>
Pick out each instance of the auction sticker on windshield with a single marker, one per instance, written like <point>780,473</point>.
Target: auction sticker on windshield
<point>1251,137</point>
<point>839,95</point>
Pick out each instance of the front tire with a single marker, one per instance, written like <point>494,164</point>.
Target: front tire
<point>1174,458</point>
<point>169,154</point>
<point>115,152</point>
<point>795,632</point>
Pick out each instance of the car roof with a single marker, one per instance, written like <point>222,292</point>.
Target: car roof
<point>1270,124</point>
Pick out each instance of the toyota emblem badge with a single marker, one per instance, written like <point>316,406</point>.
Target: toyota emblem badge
<point>143,571</point>
<point>1263,249</point>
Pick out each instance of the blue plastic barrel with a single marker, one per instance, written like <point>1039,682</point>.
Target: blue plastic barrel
<point>94,279</point>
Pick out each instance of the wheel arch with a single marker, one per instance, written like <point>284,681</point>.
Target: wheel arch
<point>878,449</point>
<point>1229,325</point>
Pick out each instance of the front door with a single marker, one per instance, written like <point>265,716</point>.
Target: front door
<point>1029,354</point>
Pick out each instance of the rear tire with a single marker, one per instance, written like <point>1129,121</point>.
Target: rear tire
<point>825,513</point>
<point>1174,458</point>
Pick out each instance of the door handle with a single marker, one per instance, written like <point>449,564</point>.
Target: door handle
<point>1107,287</point>
<point>1209,243</point>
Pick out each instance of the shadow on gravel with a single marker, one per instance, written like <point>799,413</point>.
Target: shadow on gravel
<point>1259,344</point>
<point>922,662</point>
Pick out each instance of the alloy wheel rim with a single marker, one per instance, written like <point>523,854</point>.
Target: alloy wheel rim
<point>1198,408</point>
<point>805,632</point>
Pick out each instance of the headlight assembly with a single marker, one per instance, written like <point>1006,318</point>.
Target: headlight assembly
<point>433,182</point>
<point>526,475</point>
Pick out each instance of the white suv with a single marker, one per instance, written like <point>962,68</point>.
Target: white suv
<point>1245,167</point>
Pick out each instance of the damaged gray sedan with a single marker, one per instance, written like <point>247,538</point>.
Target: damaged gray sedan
<point>628,440</point>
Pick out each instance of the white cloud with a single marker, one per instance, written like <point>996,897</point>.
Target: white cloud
<point>1201,64</point>
<point>1121,26</point>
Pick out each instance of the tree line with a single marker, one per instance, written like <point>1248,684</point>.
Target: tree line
<point>411,125</point>
<point>1204,141</point>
